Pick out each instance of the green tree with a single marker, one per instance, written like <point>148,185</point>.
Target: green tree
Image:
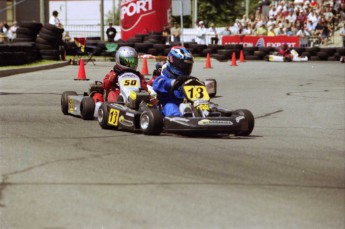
<point>220,12</point>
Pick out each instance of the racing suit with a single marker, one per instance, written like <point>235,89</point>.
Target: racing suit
<point>285,53</point>
<point>162,86</point>
<point>111,86</point>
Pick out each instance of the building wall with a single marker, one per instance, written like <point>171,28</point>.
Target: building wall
<point>2,13</point>
<point>27,10</point>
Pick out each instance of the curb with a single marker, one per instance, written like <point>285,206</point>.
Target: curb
<point>13,71</point>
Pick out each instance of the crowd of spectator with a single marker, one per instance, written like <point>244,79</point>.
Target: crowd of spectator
<point>317,19</point>
<point>7,32</point>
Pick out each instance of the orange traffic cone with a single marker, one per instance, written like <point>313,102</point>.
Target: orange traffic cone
<point>233,59</point>
<point>242,56</point>
<point>144,69</point>
<point>208,61</point>
<point>81,72</point>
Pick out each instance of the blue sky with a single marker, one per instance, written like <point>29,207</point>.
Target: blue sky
<point>86,12</point>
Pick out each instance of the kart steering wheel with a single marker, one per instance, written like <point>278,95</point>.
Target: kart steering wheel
<point>178,83</point>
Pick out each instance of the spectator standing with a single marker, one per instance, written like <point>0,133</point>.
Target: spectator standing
<point>247,30</point>
<point>3,32</point>
<point>272,12</point>
<point>66,37</point>
<point>310,27</point>
<point>201,34</point>
<point>328,14</point>
<point>227,30</point>
<point>111,32</point>
<point>214,34</point>
<point>12,32</point>
<point>303,36</point>
<point>54,20</point>
<point>265,9</point>
<point>244,21</point>
<point>176,32</point>
<point>313,17</point>
<point>326,32</point>
<point>342,33</point>
<point>166,34</point>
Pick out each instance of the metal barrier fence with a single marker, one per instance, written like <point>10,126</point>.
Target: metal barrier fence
<point>188,34</point>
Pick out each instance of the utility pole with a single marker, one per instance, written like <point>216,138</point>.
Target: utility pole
<point>247,8</point>
<point>195,11</point>
<point>42,11</point>
<point>65,12</point>
<point>102,19</point>
<point>114,14</point>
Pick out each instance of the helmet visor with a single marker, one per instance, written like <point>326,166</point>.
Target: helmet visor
<point>130,62</point>
<point>184,66</point>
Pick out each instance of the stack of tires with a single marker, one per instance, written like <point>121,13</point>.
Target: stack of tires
<point>27,31</point>
<point>49,41</point>
<point>17,53</point>
<point>225,52</point>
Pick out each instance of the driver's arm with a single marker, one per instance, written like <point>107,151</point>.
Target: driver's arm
<point>143,83</point>
<point>162,84</point>
<point>109,80</point>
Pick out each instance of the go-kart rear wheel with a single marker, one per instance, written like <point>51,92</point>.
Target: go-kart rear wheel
<point>64,101</point>
<point>249,117</point>
<point>87,108</point>
<point>151,122</point>
<point>103,116</point>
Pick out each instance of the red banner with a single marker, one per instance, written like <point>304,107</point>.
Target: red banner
<point>143,16</point>
<point>261,41</point>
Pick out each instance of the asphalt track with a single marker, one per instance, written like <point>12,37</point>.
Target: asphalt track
<point>62,172</point>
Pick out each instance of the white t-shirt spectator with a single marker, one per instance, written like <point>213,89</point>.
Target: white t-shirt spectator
<point>54,21</point>
<point>291,17</point>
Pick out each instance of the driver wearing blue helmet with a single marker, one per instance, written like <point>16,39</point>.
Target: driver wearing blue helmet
<point>179,65</point>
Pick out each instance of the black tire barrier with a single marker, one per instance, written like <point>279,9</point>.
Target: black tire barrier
<point>32,26</point>
<point>26,31</point>
<point>18,53</point>
<point>144,44</point>
<point>142,47</point>
<point>50,57</point>
<point>49,38</point>
<point>219,57</point>
<point>53,28</point>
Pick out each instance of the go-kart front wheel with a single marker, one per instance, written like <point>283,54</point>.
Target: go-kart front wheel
<point>103,116</point>
<point>151,122</point>
<point>249,117</point>
<point>64,101</point>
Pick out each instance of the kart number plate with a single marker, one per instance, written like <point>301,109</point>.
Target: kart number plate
<point>70,105</point>
<point>196,92</point>
<point>130,83</point>
<point>113,118</point>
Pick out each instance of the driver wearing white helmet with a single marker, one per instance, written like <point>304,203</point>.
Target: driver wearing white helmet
<point>126,60</point>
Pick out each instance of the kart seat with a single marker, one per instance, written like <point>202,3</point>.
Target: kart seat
<point>187,114</point>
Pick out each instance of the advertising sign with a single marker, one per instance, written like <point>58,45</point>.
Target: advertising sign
<point>143,16</point>
<point>261,41</point>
